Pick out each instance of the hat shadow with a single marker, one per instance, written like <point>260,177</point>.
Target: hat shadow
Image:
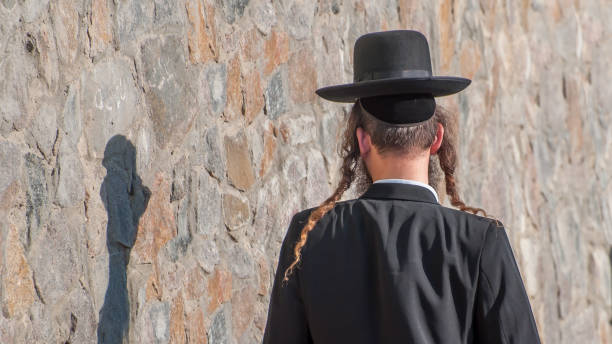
<point>125,199</point>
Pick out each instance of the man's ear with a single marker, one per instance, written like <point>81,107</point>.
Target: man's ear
<point>365,143</point>
<point>438,140</point>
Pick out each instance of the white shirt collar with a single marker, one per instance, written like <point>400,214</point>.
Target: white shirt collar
<point>411,182</point>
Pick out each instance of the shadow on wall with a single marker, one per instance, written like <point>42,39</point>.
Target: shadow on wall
<point>125,200</point>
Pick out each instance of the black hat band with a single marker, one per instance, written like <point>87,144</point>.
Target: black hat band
<point>387,74</point>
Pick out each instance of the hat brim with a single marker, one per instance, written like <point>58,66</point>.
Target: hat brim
<point>437,86</point>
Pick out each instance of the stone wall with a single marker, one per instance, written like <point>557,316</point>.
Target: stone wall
<point>152,153</point>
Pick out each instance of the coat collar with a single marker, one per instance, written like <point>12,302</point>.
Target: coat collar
<point>406,192</point>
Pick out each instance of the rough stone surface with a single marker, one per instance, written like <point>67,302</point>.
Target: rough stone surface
<point>153,152</point>
<point>239,169</point>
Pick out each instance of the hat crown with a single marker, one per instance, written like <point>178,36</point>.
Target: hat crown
<point>390,54</point>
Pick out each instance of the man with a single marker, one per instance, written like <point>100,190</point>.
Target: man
<point>395,266</point>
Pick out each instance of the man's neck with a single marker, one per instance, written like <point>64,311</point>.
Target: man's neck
<point>401,168</point>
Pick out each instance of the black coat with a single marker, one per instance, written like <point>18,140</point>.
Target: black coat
<point>394,266</point>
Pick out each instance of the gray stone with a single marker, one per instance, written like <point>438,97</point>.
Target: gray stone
<point>215,163</point>
<point>72,123</point>
<point>216,80</point>
<point>159,316</point>
<point>133,19</point>
<point>236,213</point>
<point>8,4</point>
<point>206,254</point>
<point>170,97</point>
<point>109,101</point>
<point>70,188</point>
<point>330,135</point>
<point>242,263</point>
<point>44,130</point>
<point>276,99</point>
<point>10,166</point>
<point>300,17</point>
<point>14,92</point>
<point>56,247</point>
<point>317,185</point>
<point>37,198</point>
<point>219,331</point>
<point>44,332</point>
<point>294,170</point>
<point>208,214</point>
<point>263,14</point>
<point>66,26</point>
<point>168,13</point>
<point>33,9</point>
<point>233,9</point>
<point>181,180</point>
<point>76,319</point>
<point>301,129</point>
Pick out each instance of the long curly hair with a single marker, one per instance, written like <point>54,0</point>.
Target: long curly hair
<point>388,138</point>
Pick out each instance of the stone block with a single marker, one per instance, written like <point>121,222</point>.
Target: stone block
<point>100,30</point>
<point>276,50</point>
<point>219,333</point>
<point>66,27</point>
<point>232,9</point>
<point>208,213</point>
<point>243,309</point>
<point>17,285</point>
<point>215,77</point>
<point>276,99</point>
<point>263,15</point>
<point>236,213</point>
<point>219,290</point>
<point>300,17</point>
<point>206,254</point>
<point>37,196</point>
<point>303,81</point>
<point>170,96</point>
<point>43,131</point>
<point>253,95</point>
<point>157,225</point>
<point>70,189</point>
<point>201,36</point>
<point>11,166</point>
<point>239,168</point>
<point>109,101</point>
<point>215,162</point>
<point>133,19</point>
<point>58,246</point>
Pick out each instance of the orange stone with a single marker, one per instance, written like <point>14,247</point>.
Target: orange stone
<point>276,50</point>
<point>100,30</point>
<point>17,284</point>
<point>234,93</point>
<point>243,308</point>
<point>239,168</point>
<point>269,150</point>
<point>219,289</point>
<point>470,58</point>
<point>201,36</point>
<point>157,225</point>
<point>264,276</point>
<point>195,284</point>
<point>303,76</point>
<point>152,289</point>
<point>251,45</point>
<point>177,321</point>
<point>445,22</point>
<point>253,94</point>
<point>196,332</point>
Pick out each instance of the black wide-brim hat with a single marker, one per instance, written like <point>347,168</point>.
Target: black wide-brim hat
<point>394,63</point>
